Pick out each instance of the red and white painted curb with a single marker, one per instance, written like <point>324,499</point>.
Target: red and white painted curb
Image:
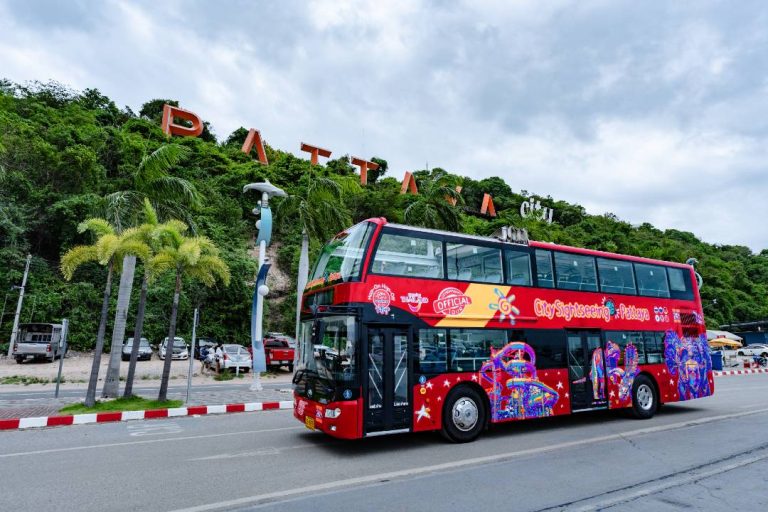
<point>106,417</point>
<point>740,372</point>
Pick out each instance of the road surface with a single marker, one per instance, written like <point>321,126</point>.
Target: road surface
<point>709,454</point>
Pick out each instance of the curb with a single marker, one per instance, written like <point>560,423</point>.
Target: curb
<point>107,417</point>
<point>739,372</point>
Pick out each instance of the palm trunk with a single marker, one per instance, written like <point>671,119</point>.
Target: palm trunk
<point>112,381</point>
<point>163,396</point>
<point>137,331</point>
<point>301,282</point>
<point>90,395</point>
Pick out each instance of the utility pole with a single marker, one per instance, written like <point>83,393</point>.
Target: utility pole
<point>15,329</point>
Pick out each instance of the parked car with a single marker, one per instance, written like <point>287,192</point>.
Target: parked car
<point>145,351</point>
<point>755,349</point>
<point>278,352</point>
<point>203,342</point>
<point>38,341</point>
<point>236,356</point>
<point>180,349</point>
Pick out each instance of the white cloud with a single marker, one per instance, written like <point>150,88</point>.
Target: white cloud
<point>655,111</point>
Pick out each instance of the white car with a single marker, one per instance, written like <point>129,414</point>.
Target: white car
<point>755,349</point>
<point>236,356</point>
<point>180,349</point>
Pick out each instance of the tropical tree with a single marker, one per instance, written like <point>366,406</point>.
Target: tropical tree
<point>170,195</point>
<point>143,236</point>
<point>431,207</point>
<point>194,257</point>
<point>108,251</point>
<point>320,213</point>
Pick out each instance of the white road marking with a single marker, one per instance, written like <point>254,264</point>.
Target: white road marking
<point>147,441</point>
<point>406,473</point>
<point>154,428</point>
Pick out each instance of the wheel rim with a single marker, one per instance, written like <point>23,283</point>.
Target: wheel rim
<point>465,414</point>
<point>645,397</point>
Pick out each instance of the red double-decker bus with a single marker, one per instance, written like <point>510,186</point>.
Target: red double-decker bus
<point>407,329</point>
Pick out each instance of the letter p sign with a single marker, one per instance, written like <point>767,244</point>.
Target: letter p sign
<point>171,128</point>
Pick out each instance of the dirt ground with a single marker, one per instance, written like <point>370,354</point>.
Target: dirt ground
<point>77,369</point>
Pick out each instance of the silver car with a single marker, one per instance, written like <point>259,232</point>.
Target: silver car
<point>145,351</point>
<point>180,349</point>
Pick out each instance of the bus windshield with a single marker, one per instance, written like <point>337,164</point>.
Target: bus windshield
<point>327,349</point>
<point>342,258</point>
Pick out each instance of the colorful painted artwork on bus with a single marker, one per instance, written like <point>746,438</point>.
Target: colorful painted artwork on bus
<point>688,358</point>
<point>621,377</point>
<point>513,387</point>
<point>597,375</point>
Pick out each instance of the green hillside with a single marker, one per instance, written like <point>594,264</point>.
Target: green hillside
<point>61,152</point>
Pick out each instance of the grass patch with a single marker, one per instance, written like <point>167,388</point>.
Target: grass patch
<point>135,403</point>
<point>24,379</point>
<point>225,375</point>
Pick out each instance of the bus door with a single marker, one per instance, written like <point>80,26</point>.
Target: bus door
<point>586,371</point>
<point>388,400</point>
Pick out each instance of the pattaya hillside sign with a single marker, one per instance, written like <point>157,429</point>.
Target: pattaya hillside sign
<point>171,126</point>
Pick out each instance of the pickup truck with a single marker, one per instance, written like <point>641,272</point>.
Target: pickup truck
<point>38,341</point>
<point>278,353</point>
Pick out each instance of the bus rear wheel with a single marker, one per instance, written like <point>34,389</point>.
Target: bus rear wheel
<point>463,415</point>
<point>645,400</point>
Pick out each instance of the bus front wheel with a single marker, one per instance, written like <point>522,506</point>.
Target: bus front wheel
<point>644,398</point>
<point>463,415</point>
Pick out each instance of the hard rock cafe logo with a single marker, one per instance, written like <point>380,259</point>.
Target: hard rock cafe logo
<point>414,300</point>
<point>381,297</point>
<point>451,301</point>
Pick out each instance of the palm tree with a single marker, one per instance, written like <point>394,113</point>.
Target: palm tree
<point>193,257</point>
<point>430,207</point>
<point>321,214</point>
<point>169,195</point>
<point>108,250</point>
<point>142,235</point>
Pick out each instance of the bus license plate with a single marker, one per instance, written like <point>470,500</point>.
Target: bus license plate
<point>309,421</point>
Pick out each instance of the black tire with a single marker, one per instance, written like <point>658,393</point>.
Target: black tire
<point>740,353</point>
<point>125,358</point>
<point>290,368</point>
<point>464,414</point>
<point>645,398</point>
<point>19,360</point>
<point>764,354</point>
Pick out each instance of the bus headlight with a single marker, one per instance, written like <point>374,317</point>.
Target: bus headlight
<point>333,413</point>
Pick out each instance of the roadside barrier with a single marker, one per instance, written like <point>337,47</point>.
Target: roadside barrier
<point>740,372</point>
<point>107,417</point>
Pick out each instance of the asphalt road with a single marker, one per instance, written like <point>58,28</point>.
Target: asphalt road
<point>709,454</point>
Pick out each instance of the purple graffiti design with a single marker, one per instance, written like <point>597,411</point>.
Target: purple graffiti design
<point>622,377</point>
<point>513,386</point>
<point>597,375</point>
<point>689,359</point>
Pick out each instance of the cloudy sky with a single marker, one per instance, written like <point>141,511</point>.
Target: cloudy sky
<point>655,111</point>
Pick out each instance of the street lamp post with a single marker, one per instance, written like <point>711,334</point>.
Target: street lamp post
<point>264,225</point>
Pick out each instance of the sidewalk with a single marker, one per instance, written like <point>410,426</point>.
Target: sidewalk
<point>25,407</point>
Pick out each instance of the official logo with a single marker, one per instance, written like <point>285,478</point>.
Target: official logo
<point>414,300</point>
<point>451,301</point>
<point>381,297</point>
